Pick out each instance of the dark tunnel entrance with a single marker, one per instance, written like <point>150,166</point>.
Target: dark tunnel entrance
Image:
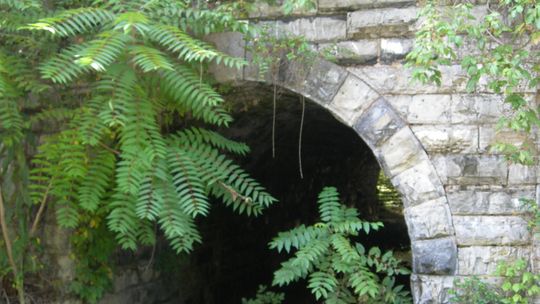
<point>234,258</point>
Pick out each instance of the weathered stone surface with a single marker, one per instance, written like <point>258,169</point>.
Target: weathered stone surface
<point>262,9</point>
<point>437,256</point>
<point>491,230</point>
<point>483,260</point>
<point>428,289</point>
<point>393,49</point>
<point>348,5</point>
<point>418,184</point>
<point>381,22</point>
<point>425,109</point>
<point>232,44</point>
<point>490,136</point>
<point>396,80</point>
<point>352,52</point>
<point>378,123</point>
<point>472,169</point>
<point>483,108</point>
<point>400,152</point>
<point>447,139</point>
<point>352,99</point>
<point>488,201</point>
<point>521,175</point>
<point>318,29</point>
<point>324,81</point>
<point>429,220</point>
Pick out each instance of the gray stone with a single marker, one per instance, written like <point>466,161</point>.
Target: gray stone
<point>491,230</point>
<point>477,108</point>
<point>348,5</point>
<point>400,152</point>
<point>378,123</point>
<point>352,52</point>
<point>262,9</point>
<point>395,79</point>
<point>428,289</point>
<point>393,49</point>
<point>521,175</point>
<point>474,169</point>
<point>447,139</point>
<point>352,99</point>
<point>437,256</point>
<point>429,220</point>
<point>231,44</point>
<point>324,81</point>
<point>488,201</point>
<point>320,29</point>
<point>381,22</point>
<point>429,109</point>
<point>418,184</point>
<point>489,135</point>
<point>483,260</point>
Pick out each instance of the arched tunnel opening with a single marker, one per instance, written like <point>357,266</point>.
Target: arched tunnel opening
<point>234,258</point>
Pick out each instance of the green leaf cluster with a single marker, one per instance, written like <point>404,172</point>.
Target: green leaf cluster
<point>338,270</point>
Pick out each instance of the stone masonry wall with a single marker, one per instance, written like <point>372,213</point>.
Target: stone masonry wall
<point>461,201</point>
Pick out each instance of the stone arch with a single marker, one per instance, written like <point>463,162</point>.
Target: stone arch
<point>401,156</point>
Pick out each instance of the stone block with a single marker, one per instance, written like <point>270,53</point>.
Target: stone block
<point>447,139</point>
<point>418,184</point>
<point>491,230</point>
<point>352,52</point>
<point>231,44</point>
<point>393,49</point>
<point>328,6</point>
<point>388,22</point>
<point>476,108</point>
<point>474,169</point>
<point>429,109</point>
<point>489,135</point>
<point>483,260</point>
<point>352,99</point>
<point>316,29</point>
<point>400,152</point>
<point>488,201</point>
<point>323,81</point>
<point>396,79</point>
<point>427,289</point>
<point>378,123</point>
<point>429,220</point>
<point>521,175</point>
<point>437,256</point>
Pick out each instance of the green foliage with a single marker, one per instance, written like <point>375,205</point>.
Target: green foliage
<point>474,291</point>
<point>121,85</point>
<point>337,270</point>
<point>507,60</point>
<point>264,296</point>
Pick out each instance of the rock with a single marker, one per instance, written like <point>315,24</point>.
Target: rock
<point>429,220</point>
<point>437,256</point>
<point>491,230</point>
<point>483,260</point>
<point>352,99</point>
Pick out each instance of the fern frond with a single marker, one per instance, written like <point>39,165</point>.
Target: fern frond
<point>11,121</point>
<point>190,49</point>
<point>195,136</point>
<point>190,94</point>
<point>73,22</point>
<point>364,282</point>
<point>189,186</point>
<point>97,180</point>
<point>179,228</point>
<point>61,68</point>
<point>329,204</point>
<point>91,126</point>
<point>153,192</point>
<point>343,247</point>
<point>322,284</point>
<point>52,116</point>
<point>295,238</point>
<point>129,20</point>
<point>123,219</point>
<point>103,51</point>
<point>149,59</point>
